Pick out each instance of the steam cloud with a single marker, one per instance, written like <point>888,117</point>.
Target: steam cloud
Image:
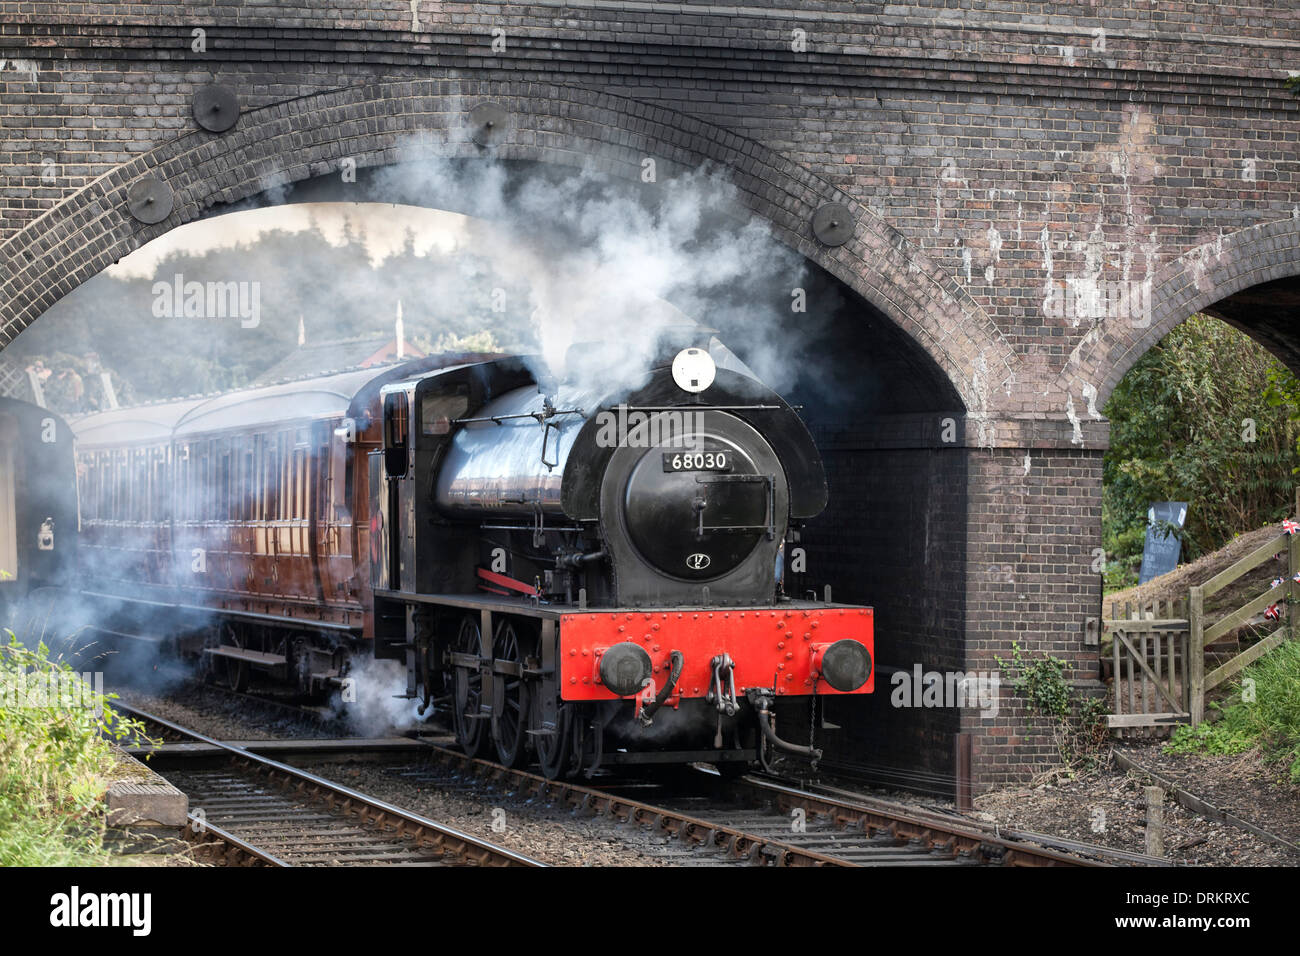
<point>377,709</point>
<point>603,263</point>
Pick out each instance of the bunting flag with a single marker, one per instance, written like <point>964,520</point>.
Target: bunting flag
<point>1289,526</point>
<point>1277,581</point>
<point>1273,613</point>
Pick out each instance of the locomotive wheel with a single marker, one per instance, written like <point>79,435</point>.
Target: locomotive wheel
<point>732,770</point>
<point>470,732</point>
<point>510,707</point>
<point>553,750</point>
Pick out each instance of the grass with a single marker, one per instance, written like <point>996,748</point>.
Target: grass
<point>1269,721</point>
<point>54,754</point>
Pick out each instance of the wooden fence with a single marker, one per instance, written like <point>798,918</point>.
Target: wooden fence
<point>1158,651</point>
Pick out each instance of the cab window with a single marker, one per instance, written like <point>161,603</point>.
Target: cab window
<point>397,421</point>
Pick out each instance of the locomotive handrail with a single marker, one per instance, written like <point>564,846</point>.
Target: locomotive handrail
<point>538,417</point>
<point>704,408</point>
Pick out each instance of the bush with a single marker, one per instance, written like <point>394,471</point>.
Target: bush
<point>54,753</point>
<point>1077,721</point>
<point>1271,721</point>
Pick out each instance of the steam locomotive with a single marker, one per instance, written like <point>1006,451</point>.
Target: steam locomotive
<point>584,582</point>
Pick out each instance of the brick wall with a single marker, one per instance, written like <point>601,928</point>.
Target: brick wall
<point>997,161</point>
<point>894,537</point>
<point>1035,518</point>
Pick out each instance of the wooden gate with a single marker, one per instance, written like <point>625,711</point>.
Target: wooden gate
<point>1158,651</point>
<point>1150,666</point>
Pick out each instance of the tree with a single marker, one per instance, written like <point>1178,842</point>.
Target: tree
<point>1209,417</point>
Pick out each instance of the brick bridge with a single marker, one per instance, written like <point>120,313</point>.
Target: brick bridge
<point>1036,198</point>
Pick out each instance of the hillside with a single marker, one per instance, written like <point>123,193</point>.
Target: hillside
<point>1173,587</point>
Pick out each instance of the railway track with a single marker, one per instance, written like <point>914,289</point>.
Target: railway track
<point>250,809</point>
<point>274,713</point>
<point>1001,846</point>
<point>708,825</point>
<point>754,820</point>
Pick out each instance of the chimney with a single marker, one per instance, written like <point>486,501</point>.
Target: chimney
<point>401,332</point>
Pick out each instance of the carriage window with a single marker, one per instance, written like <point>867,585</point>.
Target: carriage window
<point>223,484</point>
<point>301,446</point>
<point>178,484</point>
<point>247,500</point>
<point>287,502</point>
<point>136,490</point>
<point>132,510</point>
<point>157,485</point>
<point>119,485</point>
<point>89,497</point>
<point>299,483</point>
<point>143,495</point>
<point>286,476</point>
<point>187,487</point>
<point>338,472</point>
<point>397,421</point>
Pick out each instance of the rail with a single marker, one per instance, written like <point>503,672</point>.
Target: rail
<point>407,826</point>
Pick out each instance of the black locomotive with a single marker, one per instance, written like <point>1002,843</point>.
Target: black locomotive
<point>602,583</point>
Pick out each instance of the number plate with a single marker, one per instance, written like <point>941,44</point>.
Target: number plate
<point>697,461</point>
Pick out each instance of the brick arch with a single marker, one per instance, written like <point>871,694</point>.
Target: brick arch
<point>382,123</point>
<point>1203,279</point>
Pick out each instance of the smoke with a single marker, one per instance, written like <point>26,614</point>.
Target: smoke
<point>522,257</point>
<point>606,262</point>
<point>379,704</point>
<point>121,641</point>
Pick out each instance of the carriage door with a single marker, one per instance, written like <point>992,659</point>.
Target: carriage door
<point>388,471</point>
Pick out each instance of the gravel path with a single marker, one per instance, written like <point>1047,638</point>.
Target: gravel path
<point>219,715</point>
<point>1245,784</point>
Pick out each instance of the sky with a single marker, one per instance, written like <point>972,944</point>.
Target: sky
<point>381,226</point>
